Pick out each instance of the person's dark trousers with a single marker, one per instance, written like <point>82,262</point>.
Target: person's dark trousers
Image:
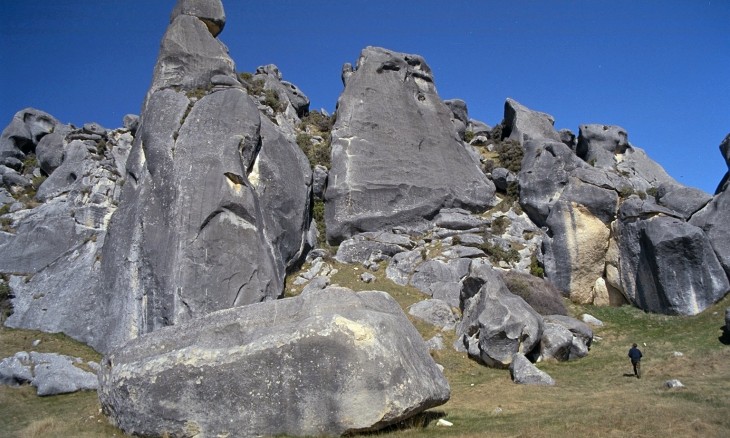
<point>637,368</point>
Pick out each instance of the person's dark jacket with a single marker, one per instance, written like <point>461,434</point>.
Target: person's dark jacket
<point>635,354</point>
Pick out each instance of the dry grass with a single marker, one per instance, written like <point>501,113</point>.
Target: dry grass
<point>593,397</point>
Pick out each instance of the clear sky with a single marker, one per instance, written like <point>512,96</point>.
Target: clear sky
<point>660,69</point>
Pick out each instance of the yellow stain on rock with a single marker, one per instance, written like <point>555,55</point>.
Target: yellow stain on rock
<point>360,332</point>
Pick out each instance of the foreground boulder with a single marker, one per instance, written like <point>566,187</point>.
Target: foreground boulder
<point>49,373</point>
<point>325,363</point>
<point>396,157</point>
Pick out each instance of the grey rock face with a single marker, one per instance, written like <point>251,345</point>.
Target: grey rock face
<point>431,275</point>
<point>190,56</point>
<point>600,144</point>
<point>396,159</point>
<point>458,219</point>
<point>50,373</point>
<point>24,131</point>
<point>712,219</point>
<point>287,92</point>
<point>50,152</point>
<point>524,372</point>
<point>282,179</point>
<point>503,178</point>
<point>555,342</point>
<point>209,12</point>
<point>685,201</point>
<point>725,149</point>
<point>402,266</point>
<point>523,124</point>
<point>496,324</point>
<point>669,266</point>
<point>319,180</point>
<point>329,363</point>
<point>188,219</point>
<point>435,312</point>
<point>374,246</point>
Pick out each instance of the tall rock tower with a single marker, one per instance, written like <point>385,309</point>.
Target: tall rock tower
<point>192,235</point>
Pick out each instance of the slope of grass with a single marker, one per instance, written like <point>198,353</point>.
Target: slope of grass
<point>594,397</point>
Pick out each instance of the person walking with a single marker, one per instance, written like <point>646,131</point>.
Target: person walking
<point>635,356</point>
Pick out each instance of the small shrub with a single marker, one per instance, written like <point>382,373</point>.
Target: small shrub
<point>500,225</point>
<point>497,254</point>
<point>6,307</point>
<point>540,294</point>
<point>535,268</point>
<point>272,100</point>
<point>5,209</point>
<point>510,155</point>
<point>653,192</point>
<point>320,121</point>
<point>318,216</point>
<point>197,93</point>
<point>38,180</point>
<point>245,76</point>
<point>496,132</point>
<point>626,191</point>
<point>29,164</point>
<point>101,146</point>
<point>468,136</point>
<point>319,153</point>
<point>456,240</point>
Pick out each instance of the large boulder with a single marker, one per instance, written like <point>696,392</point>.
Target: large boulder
<point>496,324</point>
<point>667,265</point>
<point>25,130</point>
<point>209,12</point>
<point>685,201</point>
<point>599,145</point>
<point>712,220</point>
<point>396,158</point>
<point>523,372</point>
<point>326,363</point>
<point>523,124</point>
<point>190,56</point>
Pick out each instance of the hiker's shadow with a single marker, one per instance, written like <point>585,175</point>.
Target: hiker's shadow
<point>629,375</point>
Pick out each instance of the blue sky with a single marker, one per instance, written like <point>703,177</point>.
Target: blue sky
<point>660,69</point>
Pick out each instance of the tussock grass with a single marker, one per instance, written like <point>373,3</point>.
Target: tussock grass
<point>594,397</point>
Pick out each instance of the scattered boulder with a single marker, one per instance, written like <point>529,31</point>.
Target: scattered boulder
<point>50,373</point>
<point>525,372</point>
<point>366,246</point>
<point>435,312</point>
<point>25,130</point>
<point>673,384</point>
<point>390,114</point>
<point>329,362</point>
<point>592,320</point>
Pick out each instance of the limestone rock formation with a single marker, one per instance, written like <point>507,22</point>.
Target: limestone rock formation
<point>324,363</point>
<point>396,158</point>
<point>495,323</point>
<point>523,124</point>
<point>524,372</point>
<point>216,204</point>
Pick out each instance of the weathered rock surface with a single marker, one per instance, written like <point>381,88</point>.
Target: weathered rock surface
<point>24,131</point>
<point>712,219</point>
<point>49,373</point>
<point>523,124</point>
<point>685,201</point>
<point>600,144</point>
<point>325,363</point>
<point>496,324</point>
<point>209,12</point>
<point>388,115</point>
<point>435,312</point>
<point>525,373</point>
<point>667,265</point>
<point>216,206</point>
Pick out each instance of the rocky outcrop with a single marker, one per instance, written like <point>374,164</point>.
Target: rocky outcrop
<point>389,114</point>
<point>495,323</point>
<point>666,265</point>
<point>216,205</point>
<point>325,363</point>
<point>522,124</point>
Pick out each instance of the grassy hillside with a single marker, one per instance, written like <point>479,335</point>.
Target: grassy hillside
<point>594,397</point>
